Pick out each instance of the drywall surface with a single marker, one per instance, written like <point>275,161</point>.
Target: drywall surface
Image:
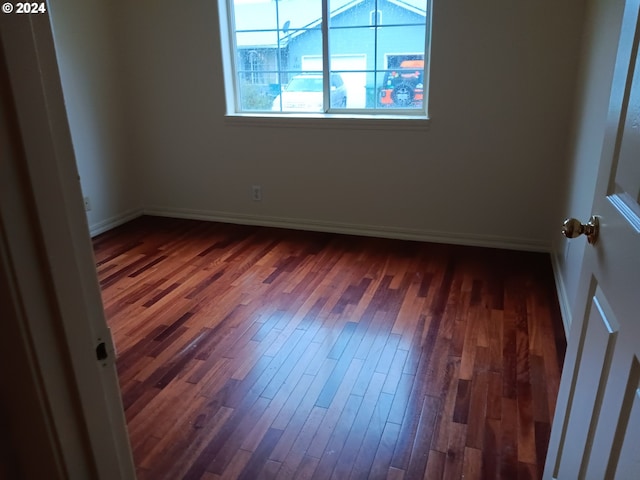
<point>90,75</point>
<point>596,73</point>
<point>145,95</point>
<point>489,167</point>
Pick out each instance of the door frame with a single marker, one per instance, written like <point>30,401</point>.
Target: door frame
<point>54,312</point>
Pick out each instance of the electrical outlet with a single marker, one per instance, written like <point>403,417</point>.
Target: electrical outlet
<point>87,204</point>
<point>256,193</point>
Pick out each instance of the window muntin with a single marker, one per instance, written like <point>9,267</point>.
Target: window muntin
<point>276,42</point>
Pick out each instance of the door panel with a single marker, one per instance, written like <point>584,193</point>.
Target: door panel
<point>611,435</point>
<point>598,341</point>
<point>626,167</point>
<point>623,190</point>
<point>596,429</point>
<point>629,463</point>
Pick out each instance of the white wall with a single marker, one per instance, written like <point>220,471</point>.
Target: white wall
<point>596,73</point>
<point>90,74</point>
<point>502,87</point>
<point>144,93</point>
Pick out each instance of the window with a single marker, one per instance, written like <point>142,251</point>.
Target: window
<point>327,56</point>
<point>375,18</point>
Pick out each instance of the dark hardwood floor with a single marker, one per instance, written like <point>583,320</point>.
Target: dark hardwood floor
<point>248,352</point>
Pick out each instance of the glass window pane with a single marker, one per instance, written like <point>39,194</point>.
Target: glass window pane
<point>298,14</point>
<point>254,96</point>
<point>303,93</point>
<point>250,16</point>
<point>353,59</point>
<point>402,88</point>
<point>401,67</point>
<point>304,51</point>
<point>346,14</point>
<point>399,40</point>
<point>376,48</point>
<point>412,13</point>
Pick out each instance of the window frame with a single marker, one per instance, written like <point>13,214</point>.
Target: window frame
<point>341,118</point>
<point>375,18</point>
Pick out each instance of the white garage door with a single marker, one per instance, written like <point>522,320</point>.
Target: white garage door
<point>351,69</point>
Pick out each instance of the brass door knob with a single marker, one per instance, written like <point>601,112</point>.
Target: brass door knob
<point>572,228</point>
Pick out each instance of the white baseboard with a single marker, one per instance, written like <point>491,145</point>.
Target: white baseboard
<point>565,309</point>
<point>108,224</point>
<point>353,229</point>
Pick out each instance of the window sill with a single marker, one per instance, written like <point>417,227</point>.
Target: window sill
<point>329,121</point>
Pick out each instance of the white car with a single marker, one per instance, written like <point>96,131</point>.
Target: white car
<point>304,94</point>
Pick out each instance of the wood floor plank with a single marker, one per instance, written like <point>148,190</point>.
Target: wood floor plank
<point>509,439</point>
<point>261,454</point>
<point>396,474</point>
<point>301,414</point>
<point>435,465</point>
<point>360,426</point>
<point>294,452</point>
<point>269,471</point>
<point>455,452</point>
<point>336,443</point>
<point>392,379</point>
<point>187,445</point>
<point>477,410</point>
<point>306,468</point>
<point>335,409</point>
<point>472,465</point>
<point>444,420</point>
<point>526,426</point>
<point>262,353</point>
<point>424,435</point>
<point>384,455</point>
<point>491,448</point>
<point>371,441</point>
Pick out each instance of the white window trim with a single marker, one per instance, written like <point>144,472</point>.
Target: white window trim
<point>377,15</point>
<point>356,119</point>
<point>329,121</point>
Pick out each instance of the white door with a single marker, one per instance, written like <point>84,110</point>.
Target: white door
<point>596,429</point>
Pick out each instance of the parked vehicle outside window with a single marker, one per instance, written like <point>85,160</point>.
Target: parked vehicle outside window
<point>304,94</point>
<point>404,87</point>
